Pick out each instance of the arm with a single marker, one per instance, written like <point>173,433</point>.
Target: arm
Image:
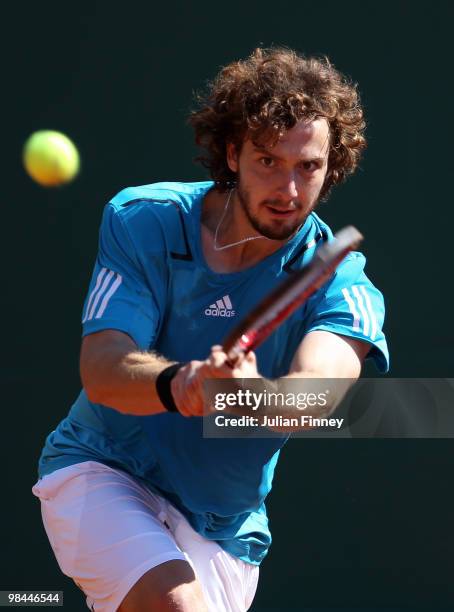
<point>328,355</point>
<point>122,312</point>
<point>121,319</point>
<point>342,327</point>
<point>325,355</point>
<point>117,374</point>
<point>321,355</point>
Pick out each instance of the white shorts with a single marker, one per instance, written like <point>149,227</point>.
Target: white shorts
<point>106,530</point>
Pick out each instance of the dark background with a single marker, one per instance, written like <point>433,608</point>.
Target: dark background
<point>360,524</point>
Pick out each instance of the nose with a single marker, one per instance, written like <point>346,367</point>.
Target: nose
<point>289,186</point>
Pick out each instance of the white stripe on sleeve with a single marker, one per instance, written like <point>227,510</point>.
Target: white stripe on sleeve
<point>93,293</point>
<point>360,301</point>
<point>371,312</point>
<point>108,295</point>
<point>100,292</point>
<point>352,308</point>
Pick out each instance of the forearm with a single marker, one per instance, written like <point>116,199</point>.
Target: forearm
<point>330,390</point>
<point>309,394</point>
<point>124,380</point>
<point>327,364</point>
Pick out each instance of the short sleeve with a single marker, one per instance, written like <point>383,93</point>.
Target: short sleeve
<point>352,306</point>
<point>120,295</point>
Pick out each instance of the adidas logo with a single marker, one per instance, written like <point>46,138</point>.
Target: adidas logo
<point>222,308</point>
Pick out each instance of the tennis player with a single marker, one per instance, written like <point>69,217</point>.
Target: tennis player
<point>141,510</point>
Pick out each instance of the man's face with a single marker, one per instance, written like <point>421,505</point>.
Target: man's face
<point>278,186</point>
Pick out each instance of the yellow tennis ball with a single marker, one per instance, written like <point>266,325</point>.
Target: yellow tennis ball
<point>50,158</point>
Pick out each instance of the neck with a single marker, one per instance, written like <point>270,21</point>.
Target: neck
<point>225,230</point>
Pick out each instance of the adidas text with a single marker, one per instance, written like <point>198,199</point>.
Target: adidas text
<point>219,312</point>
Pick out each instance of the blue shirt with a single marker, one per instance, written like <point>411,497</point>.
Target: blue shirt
<point>151,281</point>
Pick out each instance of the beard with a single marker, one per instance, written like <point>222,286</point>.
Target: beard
<point>279,229</point>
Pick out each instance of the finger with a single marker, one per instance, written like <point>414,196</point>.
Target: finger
<point>239,359</point>
<point>235,360</point>
<point>216,359</point>
<point>251,357</point>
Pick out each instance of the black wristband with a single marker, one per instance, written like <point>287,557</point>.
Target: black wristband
<point>162,384</point>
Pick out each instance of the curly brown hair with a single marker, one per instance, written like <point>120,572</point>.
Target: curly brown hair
<point>265,95</point>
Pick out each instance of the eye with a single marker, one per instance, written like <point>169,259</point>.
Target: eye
<point>310,166</point>
<point>268,162</point>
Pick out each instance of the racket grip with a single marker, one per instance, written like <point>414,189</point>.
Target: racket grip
<point>234,354</point>
<point>232,358</point>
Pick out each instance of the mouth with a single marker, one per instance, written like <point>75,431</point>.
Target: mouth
<point>281,213</point>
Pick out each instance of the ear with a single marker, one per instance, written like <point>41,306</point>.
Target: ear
<point>232,157</point>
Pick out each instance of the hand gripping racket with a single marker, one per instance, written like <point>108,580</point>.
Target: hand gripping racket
<point>289,295</point>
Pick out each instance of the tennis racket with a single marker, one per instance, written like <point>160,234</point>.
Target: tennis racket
<point>292,293</point>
